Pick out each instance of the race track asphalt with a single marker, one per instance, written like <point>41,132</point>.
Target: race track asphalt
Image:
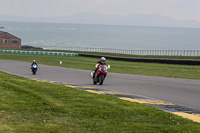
<point>184,92</point>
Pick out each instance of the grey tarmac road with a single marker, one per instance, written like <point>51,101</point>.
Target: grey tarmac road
<point>184,92</point>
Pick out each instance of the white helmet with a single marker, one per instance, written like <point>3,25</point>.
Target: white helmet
<point>34,61</point>
<point>103,59</point>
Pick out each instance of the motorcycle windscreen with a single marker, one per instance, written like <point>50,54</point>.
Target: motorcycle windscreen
<point>103,68</point>
<point>34,66</point>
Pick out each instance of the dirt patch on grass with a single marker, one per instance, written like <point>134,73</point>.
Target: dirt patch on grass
<point>5,117</point>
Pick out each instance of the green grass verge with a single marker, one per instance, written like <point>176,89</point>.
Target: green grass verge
<point>151,69</point>
<point>31,106</point>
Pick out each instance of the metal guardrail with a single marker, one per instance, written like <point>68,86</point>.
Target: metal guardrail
<point>39,52</point>
<point>168,61</point>
<point>124,51</point>
<point>148,60</point>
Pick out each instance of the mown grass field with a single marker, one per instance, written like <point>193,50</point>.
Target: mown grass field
<point>30,106</point>
<point>151,69</point>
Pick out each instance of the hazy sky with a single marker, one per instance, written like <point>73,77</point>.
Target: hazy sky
<point>179,9</point>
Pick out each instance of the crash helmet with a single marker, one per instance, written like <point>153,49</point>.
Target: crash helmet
<point>34,61</point>
<point>103,59</point>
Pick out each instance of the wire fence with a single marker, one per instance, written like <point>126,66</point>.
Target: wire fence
<point>122,51</point>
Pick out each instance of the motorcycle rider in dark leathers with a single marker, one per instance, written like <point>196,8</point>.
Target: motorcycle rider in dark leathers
<point>34,63</point>
<point>101,62</point>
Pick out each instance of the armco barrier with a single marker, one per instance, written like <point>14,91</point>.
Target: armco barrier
<point>121,51</point>
<point>39,52</point>
<point>149,60</point>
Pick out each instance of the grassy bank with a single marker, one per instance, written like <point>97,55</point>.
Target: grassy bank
<point>151,69</point>
<point>31,106</point>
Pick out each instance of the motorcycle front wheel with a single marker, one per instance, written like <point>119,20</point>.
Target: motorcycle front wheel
<point>34,72</point>
<point>94,81</point>
<point>101,79</point>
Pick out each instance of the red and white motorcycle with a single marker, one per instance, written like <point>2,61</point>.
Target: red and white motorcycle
<point>100,75</point>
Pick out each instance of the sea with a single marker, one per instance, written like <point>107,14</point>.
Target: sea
<point>104,36</point>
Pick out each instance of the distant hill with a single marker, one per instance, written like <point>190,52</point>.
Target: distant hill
<point>100,18</point>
